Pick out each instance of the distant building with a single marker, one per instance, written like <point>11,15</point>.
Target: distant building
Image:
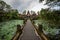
<point>28,13</point>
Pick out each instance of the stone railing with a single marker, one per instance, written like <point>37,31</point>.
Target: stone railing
<point>40,32</point>
<point>18,32</point>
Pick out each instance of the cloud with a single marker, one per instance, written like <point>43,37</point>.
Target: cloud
<point>8,1</point>
<point>38,7</point>
<point>24,4</point>
<point>55,8</point>
<point>32,4</point>
<point>19,4</point>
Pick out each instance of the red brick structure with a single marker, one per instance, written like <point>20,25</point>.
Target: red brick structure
<point>29,15</point>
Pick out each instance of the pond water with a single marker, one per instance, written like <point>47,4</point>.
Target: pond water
<point>8,29</point>
<point>47,29</point>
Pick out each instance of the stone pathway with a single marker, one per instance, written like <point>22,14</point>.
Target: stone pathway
<point>29,32</point>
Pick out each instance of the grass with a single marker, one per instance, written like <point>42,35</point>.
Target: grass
<point>8,29</point>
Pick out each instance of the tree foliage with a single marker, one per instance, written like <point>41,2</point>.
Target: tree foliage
<point>51,2</point>
<point>48,1</point>
<point>50,16</point>
<point>4,6</point>
<point>6,12</point>
<point>51,23</point>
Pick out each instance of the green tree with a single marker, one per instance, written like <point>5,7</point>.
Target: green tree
<point>51,16</point>
<point>51,3</point>
<point>24,12</point>
<point>6,12</point>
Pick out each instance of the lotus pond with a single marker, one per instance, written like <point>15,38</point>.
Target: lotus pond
<point>48,28</point>
<point>8,29</point>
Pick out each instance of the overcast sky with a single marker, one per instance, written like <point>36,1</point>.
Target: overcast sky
<point>26,4</point>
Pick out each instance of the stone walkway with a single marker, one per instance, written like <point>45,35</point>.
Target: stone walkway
<point>29,32</point>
